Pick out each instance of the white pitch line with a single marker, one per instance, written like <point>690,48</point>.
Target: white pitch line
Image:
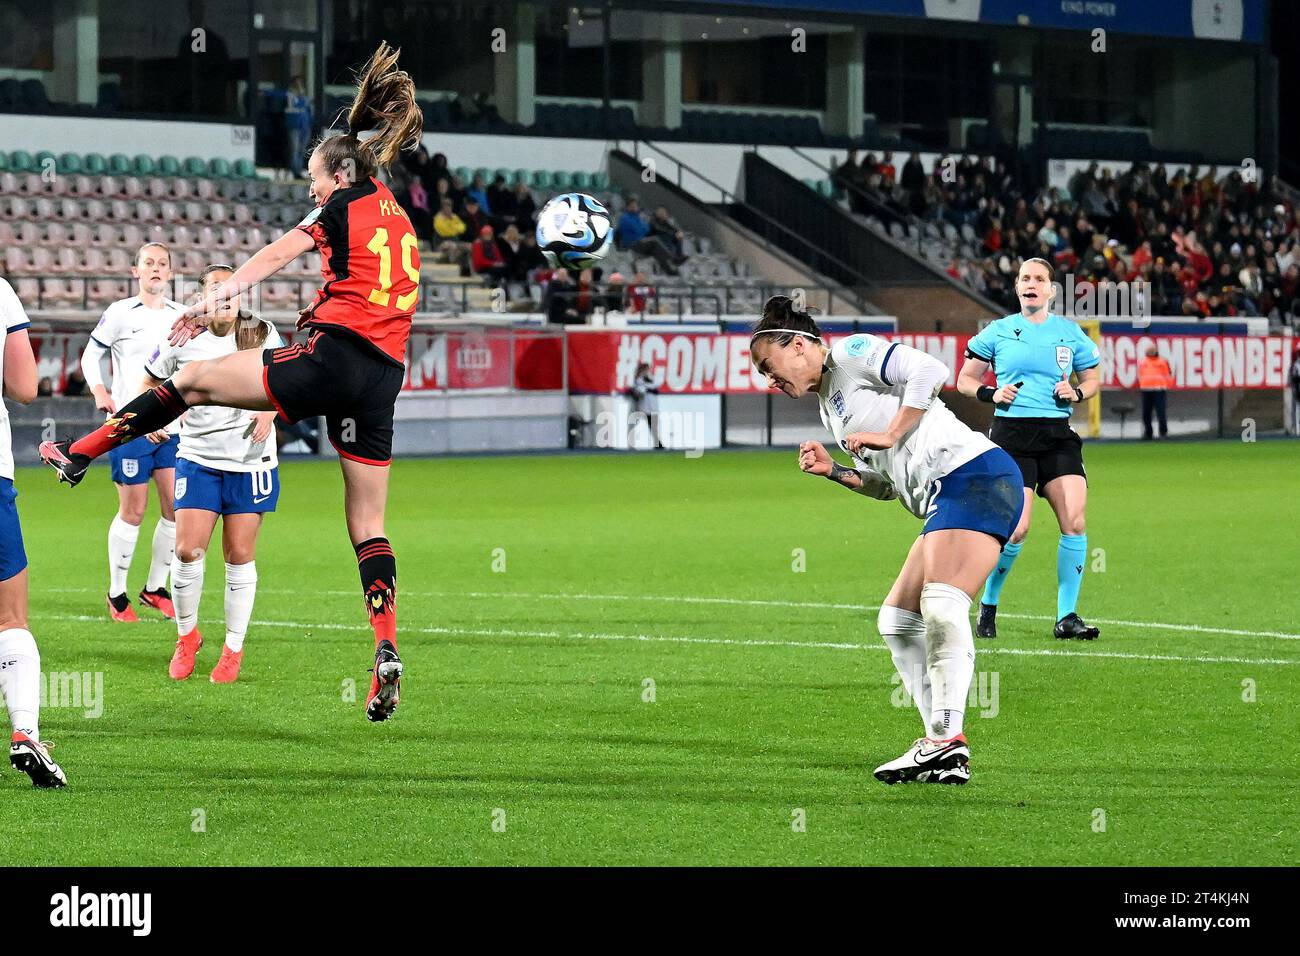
<point>737,642</point>
<point>755,602</point>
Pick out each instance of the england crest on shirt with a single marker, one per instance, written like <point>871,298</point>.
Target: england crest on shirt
<point>130,467</point>
<point>837,404</point>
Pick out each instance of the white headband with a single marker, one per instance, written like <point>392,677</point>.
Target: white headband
<point>815,338</point>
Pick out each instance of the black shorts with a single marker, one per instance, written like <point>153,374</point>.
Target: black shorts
<point>1044,448</point>
<point>344,379</point>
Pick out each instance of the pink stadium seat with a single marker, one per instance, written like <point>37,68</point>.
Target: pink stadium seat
<point>145,211</point>
<point>27,233</point>
<point>16,261</point>
<point>170,212</point>
<point>94,210</point>
<point>180,236</point>
<point>62,292</point>
<point>29,291</point>
<point>181,188</point>
<point>82,185</point>
<point>101,292</point>
<point>204,189</point>
<point>132,236</point>
<point>47,209</point>
<point>66,260</point>
<point>132,188</point>
<point>193,212</point>
<point>226,238</point>
<point>119,210</point>
<point>92,261</point>
<point>8,183</point>
<point>242,214</point>
<point>192,262</point>
<point>56,234</point>
<point>218,212</point>
<point>31,185</point>
<point>119,259</point>
<point>7,237</point>
<point>278,295</point>
<point>205,238</point>
<point>41,260</point>
<point>156,188</point>
<point>107,187</point>
<point>80,234</point>
<point>105,234</point>
<point>11,207</point>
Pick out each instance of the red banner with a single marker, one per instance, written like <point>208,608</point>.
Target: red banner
<point>604,362</point>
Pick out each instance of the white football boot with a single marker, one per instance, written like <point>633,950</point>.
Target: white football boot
<point>31,757</point>
<point>930,761</point>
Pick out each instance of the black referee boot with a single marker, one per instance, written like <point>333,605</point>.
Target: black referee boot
<point>987,625</point>
<point>1072,626</point>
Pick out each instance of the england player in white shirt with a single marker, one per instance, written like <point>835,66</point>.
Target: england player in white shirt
<point>226,468</point>
<point>20,661</point>
<point>879,400</point>
<point>130,330</point>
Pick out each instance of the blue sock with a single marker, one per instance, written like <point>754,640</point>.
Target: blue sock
<point>1071,558</point>
<point>993,586</point>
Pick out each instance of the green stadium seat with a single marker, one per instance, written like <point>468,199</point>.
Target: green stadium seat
<point>540,179</point>
<point>503,173</point>
<point>244,169</point>
<point>143,165</point>
<point>826,188</point>
<point>95,164</point>
<point>519,175</point>
<point>21,161</point>
<point>69,164</point>
<point>580,181</point>
<point>44,159</point>
<point>193,166</point>
<point>463,173</point>
<point>600,181</point>
<point>481,171</point>
<point>119,165</point>
<point>219,168</point>
<point>560,180</point>
<point>169,166</point>
<point>4,160</point>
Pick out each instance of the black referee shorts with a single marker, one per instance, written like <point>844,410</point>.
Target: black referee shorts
<point>1044,448</point>
<point>341,377</point>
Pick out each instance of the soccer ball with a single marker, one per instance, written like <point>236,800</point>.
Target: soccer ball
<point>575,231</point>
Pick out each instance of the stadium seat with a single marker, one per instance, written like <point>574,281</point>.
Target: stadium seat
<point>120,165</point>
<point>245,168</point>
<point>69,164</point>
<point>21,161</point>
<point>219,168</point>
<point>194,166</point>
<point>144,165</point>
<point>169,165</point>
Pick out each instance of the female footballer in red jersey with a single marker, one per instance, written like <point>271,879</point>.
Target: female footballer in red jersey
<point>351,367</point>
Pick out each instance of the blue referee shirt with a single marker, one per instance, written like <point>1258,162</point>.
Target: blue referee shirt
<point>1040,354</point>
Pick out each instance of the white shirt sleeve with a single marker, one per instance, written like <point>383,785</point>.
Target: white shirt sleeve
<point>162,363</point>
<point>11,309</point>
<point>875,485</point>
<point>101,341</point>
<point>273,339</point>
<point>872,360</point>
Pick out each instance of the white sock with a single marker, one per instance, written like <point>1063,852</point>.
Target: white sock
<point>904,633</point>
<point>187,589</point>
<point>20,679</point>
<point>950,656</point>
<point>241,588</point>
<point>164,546</point>
<point>121,548</point>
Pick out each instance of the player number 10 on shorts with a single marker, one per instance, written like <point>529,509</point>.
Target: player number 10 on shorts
<point>261,483</point>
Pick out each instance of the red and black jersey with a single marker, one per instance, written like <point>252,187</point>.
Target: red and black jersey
<point>370,261</point>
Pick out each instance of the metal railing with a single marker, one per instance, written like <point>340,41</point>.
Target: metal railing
<point>731,199</point>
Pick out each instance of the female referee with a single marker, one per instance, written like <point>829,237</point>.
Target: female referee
<point>1034,353</point>
<point>879,402</point>
<point>351,368</point>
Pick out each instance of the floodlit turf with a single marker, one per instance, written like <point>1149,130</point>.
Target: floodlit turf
<point>528,670</point>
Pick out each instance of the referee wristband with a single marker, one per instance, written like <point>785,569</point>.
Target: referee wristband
<point>985,393</point>
<point>1078,394</point>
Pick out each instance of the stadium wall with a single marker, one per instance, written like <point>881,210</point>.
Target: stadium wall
<point>73,134</point>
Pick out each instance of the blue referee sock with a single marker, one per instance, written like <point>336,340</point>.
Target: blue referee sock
<point>993,586</point>
<point>1071,558</point>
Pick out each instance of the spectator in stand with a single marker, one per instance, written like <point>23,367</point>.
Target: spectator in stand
<point>478,191</point>
<point>888,174</point>
<point>451,231</point>
<point>512,252</point>
<point>500,200</point>
<point>530,257</point>
<point>297,125</point>
<point>1155,378</point>
<point>632,234</point>
<point>45,387</point>
<point>410,195</point>
<point>559,300</point>
<point>475,218</point>
<point>487,261</point>
<point>525,208</point>
<point>438,171</point>
<point>75,385</point>
<point>1293,376</point>
<point>639,294</point>
<point>845,178</point>
<point>663,228</point>
<point>615,292</point>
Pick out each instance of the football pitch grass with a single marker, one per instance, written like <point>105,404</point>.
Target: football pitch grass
<point>615,660</point>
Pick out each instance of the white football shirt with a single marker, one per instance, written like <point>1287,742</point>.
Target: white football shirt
<point>12,319</point>
<point>130,330</point>
<point>866,379</point>
<point>213,435</point>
